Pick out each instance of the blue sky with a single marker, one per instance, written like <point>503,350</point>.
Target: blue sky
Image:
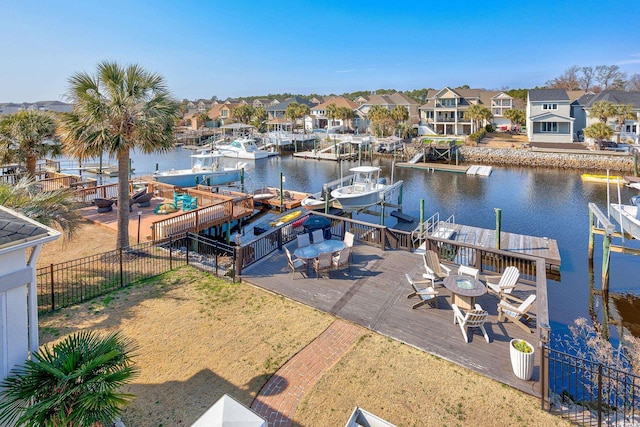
<point>241,48</point>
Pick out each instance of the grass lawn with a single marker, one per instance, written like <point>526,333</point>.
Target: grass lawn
<point>200,337</point>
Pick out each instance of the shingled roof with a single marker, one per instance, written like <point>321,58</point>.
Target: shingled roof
<point>548,95</point>
<point>15,230</point>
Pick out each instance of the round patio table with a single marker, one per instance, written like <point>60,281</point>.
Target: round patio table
<point>464,290</point>
<point>312,251</point>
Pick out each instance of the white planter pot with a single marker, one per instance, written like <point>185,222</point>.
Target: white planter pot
<point>522,363</point>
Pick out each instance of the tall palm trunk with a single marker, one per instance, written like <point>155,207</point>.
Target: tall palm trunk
<point>31,164</point>
<point>123,199</point>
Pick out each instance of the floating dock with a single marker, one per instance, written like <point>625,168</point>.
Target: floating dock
<point>444,167</point>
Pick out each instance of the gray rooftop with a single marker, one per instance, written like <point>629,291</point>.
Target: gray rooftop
<point>548,95</point>
<point>617,97</point>
<point>282,106</point>
<point>15,230</point>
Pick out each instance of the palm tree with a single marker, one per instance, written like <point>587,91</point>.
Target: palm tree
<point>622,113</point>
<point>116,110</point>
<point>399,114</point>
<point>598,131</point>
<point>332,113</point>
<point>602,110</point>
<point>478,113</point>
<point>72,384</point>
<point>52,208</point>
<point>345,114</point>
<point>243,113</point>
<point>27,136</point>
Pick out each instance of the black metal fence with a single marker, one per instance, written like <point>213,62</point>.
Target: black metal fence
<point>590,393</point>
<point>64,284</point>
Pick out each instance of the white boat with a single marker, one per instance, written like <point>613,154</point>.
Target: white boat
<point>243,148</point>
<point>315,201</point>
<point>206,168</point>
<point>628,217</point>
<point>366,189</point>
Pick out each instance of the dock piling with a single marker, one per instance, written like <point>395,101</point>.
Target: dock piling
<point>498,226</point>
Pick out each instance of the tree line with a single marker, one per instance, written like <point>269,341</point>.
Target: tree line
<point>595,79</point>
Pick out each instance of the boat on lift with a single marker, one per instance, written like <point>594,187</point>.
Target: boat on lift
<point>367,189</point>
<point>206,168</point>
<point>244,148</point>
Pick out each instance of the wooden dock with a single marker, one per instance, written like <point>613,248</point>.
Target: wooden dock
<point>434,167</point>
<point>373,294</point>
<point>541,247</point>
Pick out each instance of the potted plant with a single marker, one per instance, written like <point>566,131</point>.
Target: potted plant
<point>522,356</point>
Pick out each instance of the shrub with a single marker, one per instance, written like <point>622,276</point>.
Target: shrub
<point>523,346</point>
<point>477,136</point>
<point>490,128</point>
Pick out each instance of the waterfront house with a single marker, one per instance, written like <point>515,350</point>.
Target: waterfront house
<point>579,113</point>
<point>549,116</point>
<point>361,122</point>
<point>444,111</point>
<point>278,110</point>
<point>629,131</point>
<point>21,240</point>
<point>261,102</point>
<point>222,113</point>
<point>319,113</point>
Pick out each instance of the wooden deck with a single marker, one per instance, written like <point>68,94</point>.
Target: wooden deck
<point>374,295</point>
<point>540,247</point>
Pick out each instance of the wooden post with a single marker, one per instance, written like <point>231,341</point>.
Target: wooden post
<point>635,164</point>
<point>591,239</point>
<point>281,193</point>
<point>606,256</point>
<point>421,217</point>
<point>498,225</point>
<point>327,196</point>
<point>227,236</point>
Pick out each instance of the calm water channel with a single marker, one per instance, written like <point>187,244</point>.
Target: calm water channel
<point>538,202</point>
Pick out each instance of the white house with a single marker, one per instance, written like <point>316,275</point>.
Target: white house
<point>549,116</point>
<point>21,240</point>
<point>631,127</point>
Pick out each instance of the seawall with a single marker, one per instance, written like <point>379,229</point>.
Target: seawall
<point>563,159</point>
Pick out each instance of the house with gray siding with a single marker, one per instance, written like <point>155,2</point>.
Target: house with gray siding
<point>631,126</point>
<point>549,116</point>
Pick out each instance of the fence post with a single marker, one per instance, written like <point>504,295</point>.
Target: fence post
<point>543,377</point>
<point>188,244</point>
<point>170,253</point>
<point>599,394</point>
<point>53,304</point>
<point>121,272</point>
<point>280,238</point>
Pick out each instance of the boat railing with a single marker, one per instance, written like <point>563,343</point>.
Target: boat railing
<point>431,226</point>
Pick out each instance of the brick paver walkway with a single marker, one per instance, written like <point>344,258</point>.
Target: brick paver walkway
<point>279,398</point>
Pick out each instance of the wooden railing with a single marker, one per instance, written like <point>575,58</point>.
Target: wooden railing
<point>192,221</point>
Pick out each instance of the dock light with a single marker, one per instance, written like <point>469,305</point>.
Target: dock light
<point>139,219</point>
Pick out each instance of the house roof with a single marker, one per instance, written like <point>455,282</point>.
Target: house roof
<point>551,117</point>
<point>16,229</point>
<point>339,101</point>
<point>548,95</point>
<point>282,106</point>
<point>616,97</point>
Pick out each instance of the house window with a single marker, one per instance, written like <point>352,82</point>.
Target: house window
<point>549,106</point>
<point>223,113</point>
<point>549,126</point>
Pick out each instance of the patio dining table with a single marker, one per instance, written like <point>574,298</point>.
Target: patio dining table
<point>312,251</point>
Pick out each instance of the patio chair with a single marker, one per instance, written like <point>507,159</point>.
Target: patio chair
<point>426,295</point>
<point>349,239</point>
<point>505,283</point>
<point>506,310</point>
<point>465,270</point>
<point>294,263</point>
<point>470,319</point>
<point>317,236</point>
<point>342,260</point>
<point>303,240</point>
<point>324,262</point>
<point>189,203</point>
<point>436,271</point>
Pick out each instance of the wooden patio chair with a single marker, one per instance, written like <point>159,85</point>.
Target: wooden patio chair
<point>436,271</point>
<point>426,295</point>
<point>501,285</point>
<point>324,262</point>
<point>471,319</point>
<point>342,260</point>
<point>506,310</point>
<point>295,263</point>
<point>317,236</point>
<point>465,270</point>
<point>303,240</point>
